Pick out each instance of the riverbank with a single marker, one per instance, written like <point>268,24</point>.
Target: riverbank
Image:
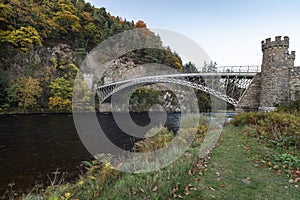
<point>244,164</point>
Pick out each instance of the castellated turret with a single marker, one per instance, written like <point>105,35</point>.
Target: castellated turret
<point>276,64</point>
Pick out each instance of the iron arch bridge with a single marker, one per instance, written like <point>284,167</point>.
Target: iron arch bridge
<point>226,83</point>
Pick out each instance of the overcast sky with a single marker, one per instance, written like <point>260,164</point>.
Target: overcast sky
<point>230,31</point>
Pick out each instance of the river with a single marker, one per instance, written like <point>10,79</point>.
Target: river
<point>34,146</point>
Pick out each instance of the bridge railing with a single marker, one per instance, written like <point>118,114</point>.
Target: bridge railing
<point>239,69</point>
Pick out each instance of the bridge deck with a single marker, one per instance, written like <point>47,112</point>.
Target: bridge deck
<point>245,75</point>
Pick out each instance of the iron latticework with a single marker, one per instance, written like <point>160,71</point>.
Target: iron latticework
<point>227,83</point>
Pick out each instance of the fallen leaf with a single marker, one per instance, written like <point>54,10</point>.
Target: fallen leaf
<point>177,196</point>
<point>247,181</point>
<point>155,189</point>
<point>284,166</point>
<point>132,189</point>
<point>222,185</point>
<point>196,179</point>
<point>246,148</point>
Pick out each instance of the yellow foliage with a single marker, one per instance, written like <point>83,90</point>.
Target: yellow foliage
<point>24,37</point>
<point>87,17</point>
<point>29,92</point>
<point>59,104</point>
<point>67,195</point>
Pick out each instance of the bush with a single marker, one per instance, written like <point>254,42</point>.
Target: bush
<point>277,125</point>
<point>281,128</point>
<point>159,137</point>
<point>287,141</point>
<point>288,159</point>
<point>247,118</point>
<point>156,138</point>
<point>292,108</point>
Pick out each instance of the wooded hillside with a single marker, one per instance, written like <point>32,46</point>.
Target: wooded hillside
<point>42,44</point>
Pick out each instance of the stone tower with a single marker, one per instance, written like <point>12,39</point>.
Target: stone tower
<point>275,74</point>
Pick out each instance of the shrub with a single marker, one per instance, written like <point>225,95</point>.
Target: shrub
<point>293,108</point>
<point>275,126</point>
<point>159,138</point>
<point>247,118</point>
<point>288,159</point>
<point>287,141</point>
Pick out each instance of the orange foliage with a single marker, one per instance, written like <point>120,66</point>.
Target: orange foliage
<point>140,24</point>
<point>121,20</point>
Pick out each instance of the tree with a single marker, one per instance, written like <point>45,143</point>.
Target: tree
<point>28,93</point>
<point>189,68</point>
<point>23,38</point>
<point>61,90</point>
<point>5,15</point>
<point>66,17</point>
<point>211,67</point>
<point>11,96</point>
<point>3,86</point>
<point>83,96</point>
<point>140,24</point>
<point>91,34</point>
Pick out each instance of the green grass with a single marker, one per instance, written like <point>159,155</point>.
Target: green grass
<point>229,173</point>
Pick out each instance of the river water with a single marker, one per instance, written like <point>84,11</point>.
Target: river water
<point>34,146</point>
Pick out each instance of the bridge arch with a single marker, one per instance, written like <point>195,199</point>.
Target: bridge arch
<point>109,90</point>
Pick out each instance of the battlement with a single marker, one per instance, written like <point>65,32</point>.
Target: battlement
<point>293,55</point>
<point>278,43</point>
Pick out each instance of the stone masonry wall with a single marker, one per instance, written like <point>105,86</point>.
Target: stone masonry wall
<point>279,81</point>
<point>275,83</point>
<point>295,83</point>
<point>250,99</point>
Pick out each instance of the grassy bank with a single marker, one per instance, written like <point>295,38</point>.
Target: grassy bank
<point>249,162</point>
<point>237,170</point>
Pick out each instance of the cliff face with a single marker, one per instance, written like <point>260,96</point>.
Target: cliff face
<point>42,65</point>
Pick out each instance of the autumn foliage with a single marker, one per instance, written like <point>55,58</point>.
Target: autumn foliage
<point>140,24</point>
